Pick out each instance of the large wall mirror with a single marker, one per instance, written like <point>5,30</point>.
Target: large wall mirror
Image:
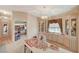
<point>20,28</point>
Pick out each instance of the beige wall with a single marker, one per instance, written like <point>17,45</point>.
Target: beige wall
<point>32,26</point>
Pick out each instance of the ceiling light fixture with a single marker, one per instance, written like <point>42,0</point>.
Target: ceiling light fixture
<point>5,12</point>
<point>44,17</point>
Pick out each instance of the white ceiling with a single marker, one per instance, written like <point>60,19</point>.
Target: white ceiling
<point>39,10</point>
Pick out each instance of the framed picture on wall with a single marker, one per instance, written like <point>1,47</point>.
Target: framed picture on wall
<point>67,26</point>
<point>5,29</point>
<point>73,27</point>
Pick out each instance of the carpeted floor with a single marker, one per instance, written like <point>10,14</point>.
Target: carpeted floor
<point>12,48</point>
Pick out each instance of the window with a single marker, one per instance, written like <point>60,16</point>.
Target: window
<point>54,27</point>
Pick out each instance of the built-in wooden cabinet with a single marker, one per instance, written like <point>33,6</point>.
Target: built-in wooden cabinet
<point>70,27</point>
<point>43,25</point>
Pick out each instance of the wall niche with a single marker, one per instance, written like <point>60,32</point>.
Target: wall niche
<point>5,26</point>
